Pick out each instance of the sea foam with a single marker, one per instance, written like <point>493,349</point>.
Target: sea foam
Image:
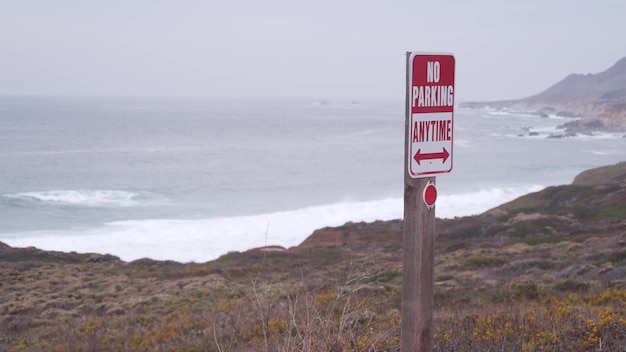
<point>92,198</point>
<point>199,240</point>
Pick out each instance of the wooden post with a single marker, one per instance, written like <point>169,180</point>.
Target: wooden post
<point>418,265</point>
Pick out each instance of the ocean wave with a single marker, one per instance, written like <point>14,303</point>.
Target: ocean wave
<point>91,198</point>
<point>204,239</point>
<point>477,202</point>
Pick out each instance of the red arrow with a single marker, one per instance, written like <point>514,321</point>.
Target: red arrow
<point>419,156</point>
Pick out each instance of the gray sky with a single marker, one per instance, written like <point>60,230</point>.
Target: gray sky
<point>291,48</point>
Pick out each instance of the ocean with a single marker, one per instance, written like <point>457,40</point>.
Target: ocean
<point>191,179</point>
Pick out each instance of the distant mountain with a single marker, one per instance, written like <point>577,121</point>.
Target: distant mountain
<point>600,99</point>
<point>586,91</point>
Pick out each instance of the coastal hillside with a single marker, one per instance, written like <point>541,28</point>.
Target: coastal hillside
<point>546,271</point>
<point>600,99</point>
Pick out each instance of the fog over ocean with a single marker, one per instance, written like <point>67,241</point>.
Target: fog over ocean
<point>192,179</point>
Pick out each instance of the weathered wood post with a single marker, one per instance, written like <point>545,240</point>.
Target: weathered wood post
<point>418,269</point>
<point>428,151</point>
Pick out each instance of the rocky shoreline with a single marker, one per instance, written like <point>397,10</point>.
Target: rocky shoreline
<point>596,101</point>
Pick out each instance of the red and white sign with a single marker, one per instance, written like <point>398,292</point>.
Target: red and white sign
<point>431,109</point>
<point>430,195</point>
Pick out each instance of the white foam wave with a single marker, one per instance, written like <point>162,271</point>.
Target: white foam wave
<point>201,240</point>
<point>110,198</point>
<point>601,135</point>
<point>473,203</point>
<point>517,113</point>
<point>605,152</point>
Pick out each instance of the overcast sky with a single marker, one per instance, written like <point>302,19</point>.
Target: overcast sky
<point>292,48</point>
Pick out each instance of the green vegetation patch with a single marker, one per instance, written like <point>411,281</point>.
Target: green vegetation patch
<point>572,286</point>
<point>615,212</point>
<point>545,227</point>
<point>383,277</point>
<point>617,257</point>
<point>482,261</point>
<point>532,201</point>
<point>544,239</point>
<point>569,195</point>
<point>527,290</point>
<point>553,200</point>
<point>474,231</point>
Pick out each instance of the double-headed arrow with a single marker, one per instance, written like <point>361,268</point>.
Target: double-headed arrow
<point>419,156</point>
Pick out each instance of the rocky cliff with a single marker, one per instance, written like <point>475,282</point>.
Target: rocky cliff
<point>599,99</point>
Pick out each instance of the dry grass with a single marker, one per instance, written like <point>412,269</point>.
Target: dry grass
<point>507,280</point>
<point>355,312</point>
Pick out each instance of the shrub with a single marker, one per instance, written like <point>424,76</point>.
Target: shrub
<point>480,260</point>
<point>617,256</point>
<point>526,290</point>
<point>572,286</point>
